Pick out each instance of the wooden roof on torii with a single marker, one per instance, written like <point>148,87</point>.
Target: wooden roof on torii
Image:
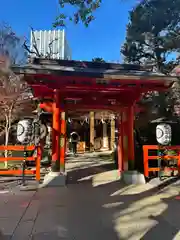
<point>91,85</point>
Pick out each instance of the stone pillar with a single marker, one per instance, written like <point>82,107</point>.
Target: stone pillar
<point>91,123</point>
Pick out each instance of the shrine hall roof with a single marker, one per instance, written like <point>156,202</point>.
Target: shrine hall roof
<point>89,69</point>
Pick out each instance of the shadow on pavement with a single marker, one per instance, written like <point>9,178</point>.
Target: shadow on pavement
<point>167,224</point>
<point>108,210</point>
<point>103,214</point>
<point>76,174</point>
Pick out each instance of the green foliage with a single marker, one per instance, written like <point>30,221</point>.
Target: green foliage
<point>152,32</point>
<point>98,59</point>
<point>84,10</point>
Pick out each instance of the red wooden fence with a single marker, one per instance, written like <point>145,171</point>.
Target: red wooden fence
<point>147,157</point>
<point>36,158</point>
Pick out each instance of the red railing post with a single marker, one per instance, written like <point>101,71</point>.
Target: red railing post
<point>145,158</point>
<point>38,163</point>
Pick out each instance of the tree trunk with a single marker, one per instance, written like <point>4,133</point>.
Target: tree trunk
<point>6,144</point>
<point>7,131</point>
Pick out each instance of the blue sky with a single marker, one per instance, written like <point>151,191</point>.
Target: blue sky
<point>102,38</point>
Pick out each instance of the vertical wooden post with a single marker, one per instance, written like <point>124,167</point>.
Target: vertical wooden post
<point>91,116</point>
<point>56,132</point>
<point>125,150</point>
<point>120,145</point>
<point>38,163</point>
<point>130,125</point>
<point>112,133</point>
<point>121,141</point>
<point>62,142</point>
<point>105,145</point>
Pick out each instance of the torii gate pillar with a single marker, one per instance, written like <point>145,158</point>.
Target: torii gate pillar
<point>127,138</point>
<point>56,130</point>
<point>130,126</point>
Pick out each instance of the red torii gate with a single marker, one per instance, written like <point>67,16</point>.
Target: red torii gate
<point>63,85</point>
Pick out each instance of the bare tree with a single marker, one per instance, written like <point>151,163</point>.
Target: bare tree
<point>14,92</point>
<point>35,50</point>
<point>15,98</point>
<point>11,45</point>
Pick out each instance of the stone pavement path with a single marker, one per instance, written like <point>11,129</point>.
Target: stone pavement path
<point>81,211</point>
<point>98,207</point>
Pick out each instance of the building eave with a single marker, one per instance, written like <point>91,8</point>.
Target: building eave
<point>106,71</point>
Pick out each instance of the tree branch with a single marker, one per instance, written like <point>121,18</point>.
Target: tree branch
<point>27,48</point>
<point>35,50</point>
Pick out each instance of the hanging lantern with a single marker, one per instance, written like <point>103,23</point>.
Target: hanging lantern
<point>163,133</point>
<point>24,130</point>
